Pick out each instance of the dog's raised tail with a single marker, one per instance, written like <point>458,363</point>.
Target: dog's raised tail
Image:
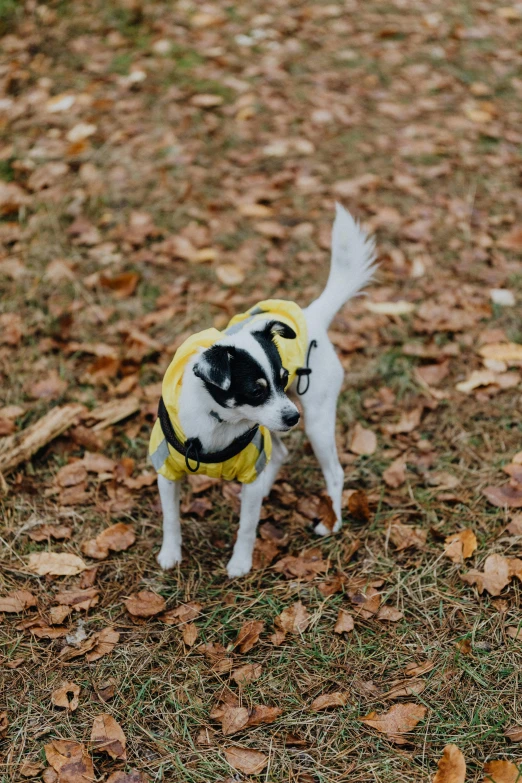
<point>352,267</point>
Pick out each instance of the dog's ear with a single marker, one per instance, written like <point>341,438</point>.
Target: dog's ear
<point>213,366</point>
<point>278,327</point>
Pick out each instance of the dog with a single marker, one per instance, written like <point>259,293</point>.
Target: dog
<point>227,396</point>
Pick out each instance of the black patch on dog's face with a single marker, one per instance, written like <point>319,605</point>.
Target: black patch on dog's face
<point>279,374</point>
<point>248,382</point>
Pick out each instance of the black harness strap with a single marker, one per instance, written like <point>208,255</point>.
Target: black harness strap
<point>191,449</point>
<point>305,372</point>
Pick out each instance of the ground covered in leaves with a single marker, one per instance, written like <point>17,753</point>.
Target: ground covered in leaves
<point>162,167</point>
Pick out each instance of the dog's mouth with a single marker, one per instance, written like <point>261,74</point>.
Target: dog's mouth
<point>285,428</point>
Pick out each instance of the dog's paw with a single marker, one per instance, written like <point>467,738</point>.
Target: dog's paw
<point>322,530</point>
<point>168,557</point>
<point>238,566</point>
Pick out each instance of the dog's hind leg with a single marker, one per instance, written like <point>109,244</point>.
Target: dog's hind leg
<point>320,408</point>
<point>251,501</point>
<point>170,552</point>
<point>279,455</point>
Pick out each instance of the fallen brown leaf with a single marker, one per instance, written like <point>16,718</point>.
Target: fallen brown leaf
<point>45,531</point>
<point>55,564</point>
<point>306,566</point>
<point>46,632</point>
<point>70,760</point>
<point>71,474</point>
<point>66,696</point>
<point>77,648</point>
<point>247,673</point>
<point>295,619</point>
<point>265,552</point>
<point>15,663</point>
<point>363,442</point>
<point>234,719</point>
<point>333,585</point>
<point>494,578</point>
<point>433,374</point>
<point>390,614</point>
<point>514,733</point>
<point>49,388</point>
<point>397,721</point>
<point>406,536</point>
<point>408,422</point>
<point>344,622</point>
<point>452,766</point>
<point>30,769</point>
<point>501,772</point>
<point>101,370</point>
<point>105,642</point>
<point>327,700</point>
<point>184,613</point>
<point>395,475</point>
<point>416,669</point>
<point>214,652</point>
<point>107,735</point>
<point>205,737</point>
<point>116,538</point>
<point>278,637</point>
<point>230,274</point>
<point>460,545</point>
<point>367,603</point>
<point>206,100</point>
<point>132,776</point>
<point>226,699</point>
<point>246,760</point>
<point>248,635</point>
<point>505,496</point>
<point>78,599</point>
<point>144,604</point>
<point>464,646</point>
<point>402,688</point>
<point>17,601</point>
<point>512,240</point>
<point>515,471</point>
<point>106,689</point>
<point>260,714</point>
<point>88,577</point>
<point>121,285</point>
<point>509,353</point>
<point>12,197</point>
<point>358,506</point>
<point>189,633</point>
<point>200,483</point>
<point>98,463</point>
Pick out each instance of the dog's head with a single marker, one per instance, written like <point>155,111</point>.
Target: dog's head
<point>244,375</point>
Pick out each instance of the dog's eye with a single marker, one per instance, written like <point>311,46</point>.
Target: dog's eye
<point>284,375</point>
<point>262,382</point>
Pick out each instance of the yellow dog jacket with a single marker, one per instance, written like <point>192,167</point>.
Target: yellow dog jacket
<point>252,459</point>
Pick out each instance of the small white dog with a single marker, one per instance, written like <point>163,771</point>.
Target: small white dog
<point>227,395</point>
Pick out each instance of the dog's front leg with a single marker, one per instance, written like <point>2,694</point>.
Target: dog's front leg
<point>170,552</point>
<point>251,500</point>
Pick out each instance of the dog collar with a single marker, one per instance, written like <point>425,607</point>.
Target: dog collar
<point>192,450</point>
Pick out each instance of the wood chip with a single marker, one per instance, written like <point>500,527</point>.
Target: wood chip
<point>21,446</point>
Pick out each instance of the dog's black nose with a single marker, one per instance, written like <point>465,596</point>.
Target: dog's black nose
<point>289,419</point>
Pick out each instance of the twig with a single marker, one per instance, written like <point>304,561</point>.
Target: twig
<point>21,446</point>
